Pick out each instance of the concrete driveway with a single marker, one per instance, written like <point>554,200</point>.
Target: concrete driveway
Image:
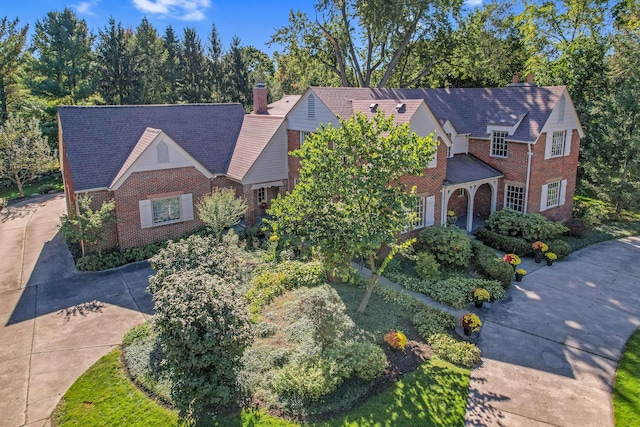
<point>55,322</point>
<point>550,349</point>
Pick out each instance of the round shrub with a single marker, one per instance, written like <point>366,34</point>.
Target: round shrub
<point>429,321</point>
<point>363,360</point>
<point>450,245</point>
<point>427,267</point>
<point>309,380</point>
<point>530,226</point>
<point>560,248</point>
<point>203,327</point>
<point>459,353</point>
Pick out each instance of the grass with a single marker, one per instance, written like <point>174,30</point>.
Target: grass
<point>30,188</point>
<point>433,395</point>
<point>626,390</point>
<point>626,225</point>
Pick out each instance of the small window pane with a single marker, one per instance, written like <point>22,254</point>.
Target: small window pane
<point>557,143</point>
<point>515,198</point>
<point>499,144</point>
<point>553,194</point>
<point>262,195</point>
<point>165,210</point>
<point>420,213</point>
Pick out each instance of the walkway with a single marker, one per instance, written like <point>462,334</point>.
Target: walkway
<point>55,322</point>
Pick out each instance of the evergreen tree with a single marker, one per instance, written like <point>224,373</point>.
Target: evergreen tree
<point>115,64</point>
<point>171,69</point>
<point>150,55</point>
<point>194,69</point>
<point>214,58</point>
<point>62,45</point>
<point>235,80</point>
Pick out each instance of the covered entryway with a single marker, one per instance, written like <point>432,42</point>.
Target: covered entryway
<point>470,190</point>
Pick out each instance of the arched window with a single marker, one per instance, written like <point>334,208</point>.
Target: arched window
<point>163,153</point>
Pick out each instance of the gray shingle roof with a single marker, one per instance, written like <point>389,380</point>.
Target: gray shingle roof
<point>98,140</point>
<point>466,168</point>
<point>470,110</point>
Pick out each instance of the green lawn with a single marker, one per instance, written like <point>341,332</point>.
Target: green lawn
<point>30,188</point>
<point>433,395</point>
<point>626,390</point>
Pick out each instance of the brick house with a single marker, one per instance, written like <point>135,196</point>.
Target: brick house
<point>511,147</point>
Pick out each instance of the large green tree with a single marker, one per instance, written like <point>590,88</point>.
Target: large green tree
<point>349,201</point>
<point>150,54</point>
<point>195,82</point>
<point>171,72</point>
<point>62,48</point>
<point>12,41</point>
<point>235,78</point>
<point>364,42</point>
<point>115,64</point>
<point>24,152</point>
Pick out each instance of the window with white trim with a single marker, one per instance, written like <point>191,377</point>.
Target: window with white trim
<point>450,148</point>
<point>557,143</point>
<point>514,198</point>
<point>420,213</point>
<point>553,194</point>
<point>163,152</point>
<point>461,192</point>
<point>262,195</point>
<point>303,136</point>
<point>165,210</point>
<point>499,144</point>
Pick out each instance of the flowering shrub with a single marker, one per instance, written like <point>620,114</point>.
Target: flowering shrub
<point>540,246</point>
<point>511,259</point>
<point>551,256</point>
<point>481,294</point>
<point>471,321</point>
<point>521,271</point>
<point>396,339</point>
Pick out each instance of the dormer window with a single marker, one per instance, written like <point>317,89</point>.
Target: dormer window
<point>499,146</point>
<point>163,153</point>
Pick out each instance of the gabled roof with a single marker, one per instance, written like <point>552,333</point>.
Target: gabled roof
<point>388,106</point>
<point>467,168</point>
<point>469,110</point>
<point>149,135</point>
<point>282,106</point>
<point>257,131</point>
<point>98,140</point>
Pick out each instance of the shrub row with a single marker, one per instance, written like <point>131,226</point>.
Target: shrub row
<point>454,292</point>
<point>454,351</point>
<point>94,262</point>
<point>509,244</point>
<point>491,266</point>
<point>530,226</point>
<point>429,321</point>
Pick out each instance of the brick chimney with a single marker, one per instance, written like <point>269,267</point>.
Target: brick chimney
<point>260,99</point>
<point>515,79</point>
<point>530,79</point>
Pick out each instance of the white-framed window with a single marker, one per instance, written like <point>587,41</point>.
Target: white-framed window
<point>450,148</point>
<point>499,145</point>
<point>165,210</point>
<point>311,106</point>
<point>262,195</point>
<point>557,143</point>
<point>420,212</point>
<point>460,192</point>
<point>553,194</point>
<point>303,136</point>
<point>514,197</point>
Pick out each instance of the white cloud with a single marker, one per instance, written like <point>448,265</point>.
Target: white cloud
<point>84,7</point>
<point>187,10</point>
<point>473,3</point>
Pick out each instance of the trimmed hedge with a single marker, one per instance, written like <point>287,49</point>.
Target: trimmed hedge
<point>530,226</point>
<point>459,353</point>
<point>560,248</point>
<point>449,245</point>
<point>509,244</point>
<point>429,321</point>
<point>491,266</point>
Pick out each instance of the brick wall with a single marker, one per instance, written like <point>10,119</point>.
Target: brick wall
<point>482,201</point>
<point>550,170</point>
<point>69,191</point>
<point>142,185</point>
<point>458,204</point>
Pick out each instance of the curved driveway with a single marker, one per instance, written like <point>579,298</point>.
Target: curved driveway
<point>550,349</point>
<point>55,322</point>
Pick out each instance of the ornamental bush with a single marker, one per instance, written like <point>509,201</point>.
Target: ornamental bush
<point>429,321</point>
<point>363,360</point>
<point>560,248</point>
<point>203,327</point>
<point>504,243</point>
<point>450,245</point>
<point>427,267</point>
<point>530,226</point>
<point>459,353</point>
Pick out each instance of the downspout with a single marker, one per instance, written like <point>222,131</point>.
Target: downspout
<point>526,187</point>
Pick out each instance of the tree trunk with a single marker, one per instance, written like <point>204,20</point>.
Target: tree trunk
<point>19,185</point>
<point>372,284</point>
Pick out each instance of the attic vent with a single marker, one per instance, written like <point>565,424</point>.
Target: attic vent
<point>400,108</point>
<point>561,108</point>
<point>311,107</point>
<point>373,107</point>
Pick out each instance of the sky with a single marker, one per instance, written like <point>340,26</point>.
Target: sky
<point>253,21</point>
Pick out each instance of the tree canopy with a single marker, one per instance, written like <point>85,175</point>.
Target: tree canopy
<point>348,202</point>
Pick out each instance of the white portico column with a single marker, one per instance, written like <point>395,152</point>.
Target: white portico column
<point>494,195</point>
<point>472,195</point>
